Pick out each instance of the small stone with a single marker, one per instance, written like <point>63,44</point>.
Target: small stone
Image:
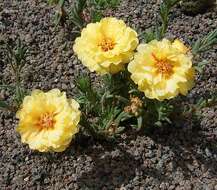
<point>26,179</point>
<point>64,86</point>
<point>208,153</point>
<point>71,71</point>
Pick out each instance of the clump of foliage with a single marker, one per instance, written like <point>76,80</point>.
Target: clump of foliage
<point>98,7</point>
<point>60,15</point>
<point>126,97</point>
<point>118,101</point>
<point>205,43</point>
<point>100,103</point>
<point>16,57</point>
<point>81,12</point>
<point>77,14</point>
<point>158,31</point>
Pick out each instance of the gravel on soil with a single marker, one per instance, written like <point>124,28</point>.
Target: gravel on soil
<point>170,158</point>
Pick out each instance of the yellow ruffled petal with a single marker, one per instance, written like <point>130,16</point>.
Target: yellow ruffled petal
<point>180,46</point>
<point>48,121</point>
<point>162,69</point>
<point>106,46</point>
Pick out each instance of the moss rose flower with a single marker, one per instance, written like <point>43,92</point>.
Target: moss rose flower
<point>162,69</point>
<point>106,46</point>
<point>48,121</point>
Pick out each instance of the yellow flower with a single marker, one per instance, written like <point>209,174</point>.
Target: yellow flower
<point>162,69</point>
<point>180,46</point>
<point>48,121</point>
<point>106,46</point>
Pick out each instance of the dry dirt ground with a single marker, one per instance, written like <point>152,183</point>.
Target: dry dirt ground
<point>169,158</point>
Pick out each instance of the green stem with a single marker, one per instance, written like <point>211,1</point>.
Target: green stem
<point>19,93</point>
<point>164,29</point>
<point>96,135</point>
<point>122,99</point>
<point>5,106</point>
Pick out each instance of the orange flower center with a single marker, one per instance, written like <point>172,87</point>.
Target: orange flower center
<point>46,121</point>
<point>163,66</point>
<point>107,44</point>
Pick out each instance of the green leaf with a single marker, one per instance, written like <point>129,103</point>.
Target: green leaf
<point>61,3</point>
<point>83,83</point>
<point>20,53</point>
<point>4,105</point>
<point>17,59</point>
<point>164,109</point>
<point>149,35</point>
<point>123,116</point>
<point>200,66</point>
<point>114,3</point>
<point>58,17</point>
<point>89,94</point>
<point>165,9</point>
<point>120,130</point>
<point>96,16</point>
<point>158,124</point>
<point>10,87</point>
<point>98,6</point>
<point>139,122</point>
<point>103,4</point>
<point>75,13</point>
<point>201,103</point>
<point>205,43</point>
<point>207,102</point>
<point>51,2</point>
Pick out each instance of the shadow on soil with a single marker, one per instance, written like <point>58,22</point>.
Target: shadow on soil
<point>190,147</point>
<point>113,170</point>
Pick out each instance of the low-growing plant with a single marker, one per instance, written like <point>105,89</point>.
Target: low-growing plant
<point>16,57</point>
<point>205,43</point>
<point>81,12</point>
<point>149,110</point>
<point>103,4</point>
<point>101,103</point>
<point>53,2</point>
<point>139,86</point>
<point>60,14</point>
<point>158,31</point>
<point>77,15</point>
<point>74,15</point>
<point>99,6</point>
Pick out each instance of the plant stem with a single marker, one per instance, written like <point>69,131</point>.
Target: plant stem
<point>19,93</point>
<point>96,135</point>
